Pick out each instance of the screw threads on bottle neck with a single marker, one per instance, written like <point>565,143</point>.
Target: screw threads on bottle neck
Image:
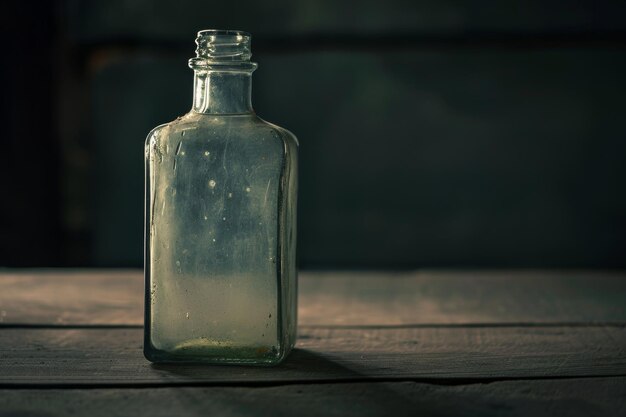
<point>223,50</point>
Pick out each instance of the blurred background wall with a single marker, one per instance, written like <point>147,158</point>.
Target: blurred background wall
<point>440,133</point>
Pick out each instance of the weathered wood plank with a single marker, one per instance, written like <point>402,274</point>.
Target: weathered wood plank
<point>572,397</point>
<point>72,297</point>
<point>349,298</point>
<point>113,356</point>
<point>460,297</point>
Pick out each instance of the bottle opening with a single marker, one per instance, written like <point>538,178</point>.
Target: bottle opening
<point>229,48</point>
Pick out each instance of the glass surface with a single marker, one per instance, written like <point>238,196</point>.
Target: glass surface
<point>220,221</point>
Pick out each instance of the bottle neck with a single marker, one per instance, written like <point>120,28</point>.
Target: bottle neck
<point>222,92</point>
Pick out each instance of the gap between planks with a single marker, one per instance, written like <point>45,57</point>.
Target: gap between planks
<point>266,384</point>
<point>618,324</point>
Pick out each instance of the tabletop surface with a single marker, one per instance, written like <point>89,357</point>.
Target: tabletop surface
<point>370,343</point>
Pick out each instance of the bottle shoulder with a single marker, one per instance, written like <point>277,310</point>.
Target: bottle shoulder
<point>175,126</point>
<point>193,126</point>
<point>155,133</point>
<point>286,135</point>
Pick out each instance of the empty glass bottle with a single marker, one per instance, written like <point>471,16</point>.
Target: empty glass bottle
<point>220,246</point>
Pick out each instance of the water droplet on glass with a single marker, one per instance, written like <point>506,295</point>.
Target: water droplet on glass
<point>187,315</point>
<point>178,148</point>
<point>177,263</point>
<point>212,183</point>
<point>213,239</point>
<point>224,218</point>
<point>182,152</point>
<point>207,153</point>
<point>248,189</point>
<point>230,195</point>
<point>182,133</point>
<point>206,218</point>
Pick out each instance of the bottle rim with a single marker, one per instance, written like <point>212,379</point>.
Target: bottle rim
<point>223,32</point>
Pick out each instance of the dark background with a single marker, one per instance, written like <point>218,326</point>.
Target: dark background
<point>441,133</point>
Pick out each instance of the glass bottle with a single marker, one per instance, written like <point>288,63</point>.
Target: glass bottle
<point>220,250</point>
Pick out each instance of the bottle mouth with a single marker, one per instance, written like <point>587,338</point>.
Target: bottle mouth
<point>223,50</point>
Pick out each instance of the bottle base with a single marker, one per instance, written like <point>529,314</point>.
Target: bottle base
<point>210,352</point>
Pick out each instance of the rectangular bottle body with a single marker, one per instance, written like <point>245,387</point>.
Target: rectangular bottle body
<point>220,241</point>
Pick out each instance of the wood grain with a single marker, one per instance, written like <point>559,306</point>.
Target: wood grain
<point>115,297</point>
<point>572,397</point>
<point>71,297</point>
<point>462,297</point>
<point>113,356</point>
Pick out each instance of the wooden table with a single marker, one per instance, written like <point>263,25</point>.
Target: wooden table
<point>413,343</point>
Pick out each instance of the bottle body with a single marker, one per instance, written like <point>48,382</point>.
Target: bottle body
<point>220,240</point>
<point>220,249</point>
